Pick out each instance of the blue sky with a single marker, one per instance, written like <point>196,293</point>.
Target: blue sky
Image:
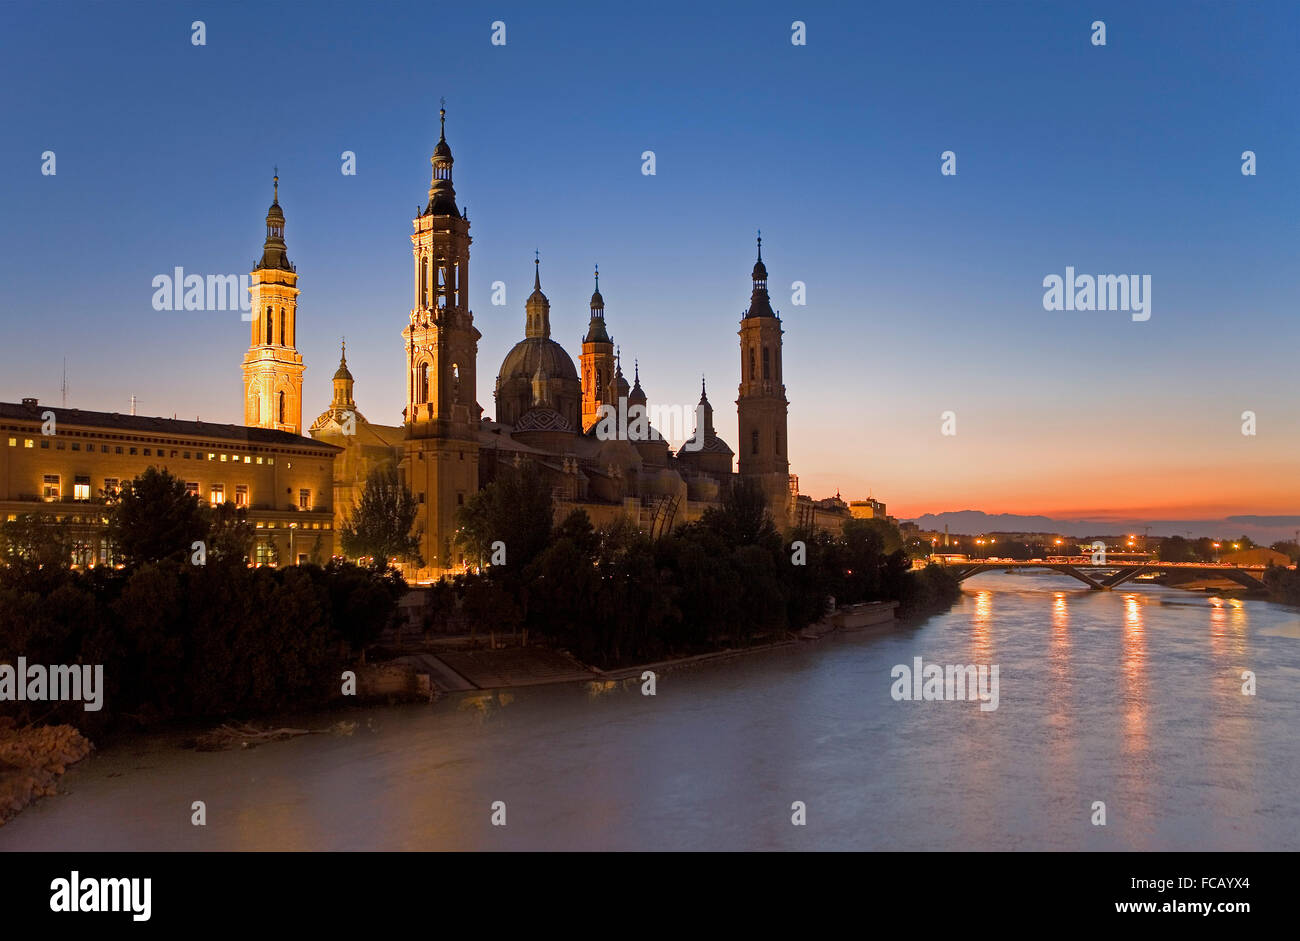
<point>924,291</point>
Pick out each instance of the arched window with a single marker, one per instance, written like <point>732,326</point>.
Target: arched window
<point>767,364</point>
<point>268,333</point>
<point>422,386</point>
<point>424,281</point>
<point>282,326</point>
<point>282,408</point>
<point>752,373</point>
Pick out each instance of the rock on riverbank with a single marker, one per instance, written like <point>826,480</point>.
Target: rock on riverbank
<point>31,759</point>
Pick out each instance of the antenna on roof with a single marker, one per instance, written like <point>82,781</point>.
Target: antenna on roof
<point>65,382</point>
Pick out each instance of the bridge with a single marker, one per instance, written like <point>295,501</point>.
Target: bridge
<point>1108,575</point>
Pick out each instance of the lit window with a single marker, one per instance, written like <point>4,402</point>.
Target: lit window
<point>270,460</point>
<point>50,488</point>
<point>304,499</point>
<point>223,459</point>
<point>241,495</point>
<point>211,456</point>
<point>247,459</point>
<point>259,460</point>
<point>218,494</point>
<point>13,442</point>
<point>192,488</point>
<point>81,488</point>
<point>28,442</point>
<point>111,484</point>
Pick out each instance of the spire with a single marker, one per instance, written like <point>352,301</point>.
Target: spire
<point>597,302</point>
<point>538,309</point>
<point>637,396</point>
<point>343,382</point>
<point>760,305</point>
<point>274,253</point>
<point>442,195</point>
<point>704,431</point>
<point>596,332</point>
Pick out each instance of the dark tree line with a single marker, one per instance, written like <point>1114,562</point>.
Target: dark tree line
<point>176,638</point>
<point>615,596</point>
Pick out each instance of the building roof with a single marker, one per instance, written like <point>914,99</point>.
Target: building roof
<point>160,426</point>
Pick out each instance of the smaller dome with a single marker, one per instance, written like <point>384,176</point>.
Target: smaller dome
<point>597,302</point>
<point>342,372</point>
<point>760,271</point>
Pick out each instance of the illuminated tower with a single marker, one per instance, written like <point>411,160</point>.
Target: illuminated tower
<point>440,463</point>
<point>273,366</point>
<point>761,406</point>
<point>597,362</point>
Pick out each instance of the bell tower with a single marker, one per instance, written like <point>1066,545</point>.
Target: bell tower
<point>273,366</point>
<point>761,406</point>
<point>597,361</point>
<point>442,414</point>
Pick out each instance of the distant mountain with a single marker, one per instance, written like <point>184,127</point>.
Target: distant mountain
<point>1262,529</point>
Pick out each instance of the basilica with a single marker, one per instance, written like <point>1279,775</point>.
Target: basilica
<point>547,410</point>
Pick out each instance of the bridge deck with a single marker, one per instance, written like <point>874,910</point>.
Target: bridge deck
<point>1105,576</point>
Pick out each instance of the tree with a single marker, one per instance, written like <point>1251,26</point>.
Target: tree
<point>154,517</point>
<point>36,540</point>
<point>382,525</point>
<point>230,538</point>
<point>515,510</point>
<point>1175,549</point>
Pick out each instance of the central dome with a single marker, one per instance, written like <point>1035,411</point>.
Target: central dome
<point>531,352</point>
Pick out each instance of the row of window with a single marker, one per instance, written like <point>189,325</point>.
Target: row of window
<point>59,445</point>
<point>260,524</point>
<point>51,491</point>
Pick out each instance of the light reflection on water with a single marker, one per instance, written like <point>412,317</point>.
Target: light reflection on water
<point>1130,697</point>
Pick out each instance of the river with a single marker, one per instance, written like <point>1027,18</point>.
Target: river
<point>1132,697</point>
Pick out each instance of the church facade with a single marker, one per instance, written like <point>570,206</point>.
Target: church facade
<point>547,411</point>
